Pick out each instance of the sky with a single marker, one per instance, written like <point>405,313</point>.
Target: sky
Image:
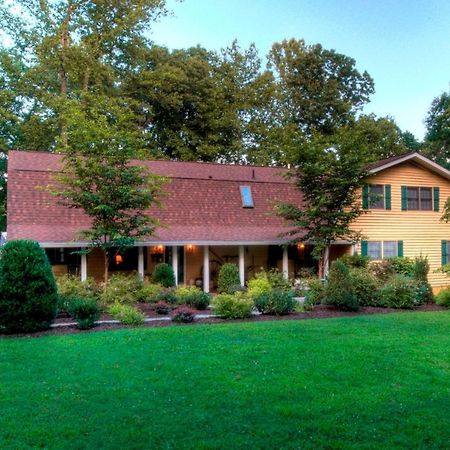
<point>404,45</point>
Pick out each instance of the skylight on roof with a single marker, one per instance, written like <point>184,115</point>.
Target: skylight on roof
<point>247,198</point>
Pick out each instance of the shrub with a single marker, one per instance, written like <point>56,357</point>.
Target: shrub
<point>356,260</point>
<point>162,308</point>
<point>28,293</point>
<point>85,312</point>
<point>443,298</point>
<point>70,287</point>
<point>183,314</point>
<point>126,314</point>
<point>366,286</point>
<point>420,270</point>
<point>402,265</point>
<point>258,285</point>
<point>339,291</point>
<point>149,293</point>
<point>228,277</point>
<point>275,302</point>
<point>233,306</point>
<point>382,270</point>
<point>315,294</point>
<point>121,289</point>
<point>278,281</point>
<point>167,295</point>
<point>192,296</point>
<point>400,292</point>
<point>163,275</point>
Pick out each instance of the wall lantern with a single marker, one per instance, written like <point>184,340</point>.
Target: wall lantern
<point>158,250</point>
<point>301,246</point>
<point>118,259</point>
<point>190,248</point>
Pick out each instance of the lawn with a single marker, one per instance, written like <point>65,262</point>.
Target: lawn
<point>378,381</point>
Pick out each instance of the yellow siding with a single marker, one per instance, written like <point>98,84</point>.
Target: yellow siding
<point>420,231</point>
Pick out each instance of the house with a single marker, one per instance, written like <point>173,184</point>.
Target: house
<point>216,213</point>
<point>404,198</point>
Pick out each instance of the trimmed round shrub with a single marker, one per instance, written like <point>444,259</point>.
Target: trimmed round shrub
<point>85,312</point>
<point>126,314</point>
<point>275,302</point>
<point>443,298</point>
<point>233,306</point>
<point>28,293</point>
<point>228,278</point>
<point>183,314</point>
<point>194,297</point>
<point>163,274</point>
<point>258,285</point>
<point>420,270</point>
<point>402,265</point>
<point>400,292</point>
<point>366,286</point>
<point>121,289</point>
<point>339,290</point>
<point>149,293</point>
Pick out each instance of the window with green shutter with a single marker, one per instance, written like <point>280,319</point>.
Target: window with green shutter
<point>365,198</point>
<point>387,196</point>
<point>404,198</point>
<point>364,248</point>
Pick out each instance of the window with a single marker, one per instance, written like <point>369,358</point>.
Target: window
<point>374,249</point>
<point>247,198</point>
<point>382,249</point>
<point>390,249</point>
<point>420,198</point>
<point>376,196</point>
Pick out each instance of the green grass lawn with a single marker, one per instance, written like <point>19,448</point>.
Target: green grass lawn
<point>365,382</point>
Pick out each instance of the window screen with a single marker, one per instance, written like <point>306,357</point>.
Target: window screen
<point>376,196</point>
<point>390,249</point>
<point>374,249</point>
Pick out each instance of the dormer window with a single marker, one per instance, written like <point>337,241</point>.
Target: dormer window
<point>246,196</point>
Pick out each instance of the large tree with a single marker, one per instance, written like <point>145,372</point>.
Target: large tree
<point>318,90</point>
<point>437,138</point>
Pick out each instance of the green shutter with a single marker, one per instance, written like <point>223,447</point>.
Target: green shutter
<point>363,248</point>
<point>404,198</point>
<point>436,198</point>
<point>365,198</point>
<point>399,248</point>
<point>444,252</point>
<point>387,196</point>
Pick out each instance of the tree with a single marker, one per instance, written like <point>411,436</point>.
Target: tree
<point>437,138</point>
<point>318,90</point>
<point>329,172</point>
<point>99,177</point>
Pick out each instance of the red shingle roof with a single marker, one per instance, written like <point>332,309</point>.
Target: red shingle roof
<point>203,202</point>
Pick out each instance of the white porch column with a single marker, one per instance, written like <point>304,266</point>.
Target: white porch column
<point>285,263</point>
<point>241,265</point>
<point>141,262</point>
<point>206,268</point>
<point>326,262</point>
<point>83,267</point>
<point>175,263</point>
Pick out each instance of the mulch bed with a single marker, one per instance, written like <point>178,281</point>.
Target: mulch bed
<point>319,312</point>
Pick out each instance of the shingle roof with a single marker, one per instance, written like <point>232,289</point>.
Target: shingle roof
<point>203,202</point>
<point>383,162</point>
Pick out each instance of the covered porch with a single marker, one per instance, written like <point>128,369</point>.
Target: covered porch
<point>194,264</point>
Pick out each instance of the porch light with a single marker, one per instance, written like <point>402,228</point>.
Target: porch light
<point>119,259</point>
<point>190,248</point>
<point>301,246</point>
<point>158,250</point>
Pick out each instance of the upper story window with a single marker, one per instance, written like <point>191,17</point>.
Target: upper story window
<point>247,197</point>
<point>377,196</point>
<point>415,198</point>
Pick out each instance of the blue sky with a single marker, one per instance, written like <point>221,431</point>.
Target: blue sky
<point>404,45</point>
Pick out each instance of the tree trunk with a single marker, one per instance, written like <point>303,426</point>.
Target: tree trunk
<point>106,265</point>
